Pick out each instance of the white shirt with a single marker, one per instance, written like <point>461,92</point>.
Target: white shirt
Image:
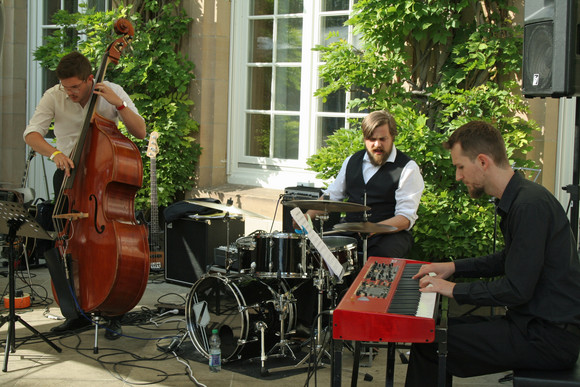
<point>69,116</point>
<point>407,195</point>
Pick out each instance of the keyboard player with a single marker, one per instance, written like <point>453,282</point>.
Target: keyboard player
<point>536,275</point>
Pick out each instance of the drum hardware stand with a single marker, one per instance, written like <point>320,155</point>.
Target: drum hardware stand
<point>282,307</point>
<point>303,266</point>
<point>227,261</point>
<point>319,283</point>
<point>366,235</point>
<point>261,326</point>
<point>13,217</point>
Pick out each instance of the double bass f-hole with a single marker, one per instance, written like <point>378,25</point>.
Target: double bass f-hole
<point>97,228</point>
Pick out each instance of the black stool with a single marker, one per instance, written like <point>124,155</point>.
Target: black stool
<point>543,378</point>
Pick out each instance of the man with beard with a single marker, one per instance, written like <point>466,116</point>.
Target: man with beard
<point>535,276</point>
<point>384,178</point>
<point>66,105</point>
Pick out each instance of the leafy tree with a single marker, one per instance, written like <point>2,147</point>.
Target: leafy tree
<point>155,74</point>
<point>435,64</point>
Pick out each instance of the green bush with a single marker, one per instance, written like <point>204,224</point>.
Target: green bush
<point>154,73</point>
<point>434,65</point>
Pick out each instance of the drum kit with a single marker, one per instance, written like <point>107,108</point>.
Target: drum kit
<point>254,308</point>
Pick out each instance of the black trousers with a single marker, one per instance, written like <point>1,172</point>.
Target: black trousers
<point>479,345</point>
<point>396,245</point>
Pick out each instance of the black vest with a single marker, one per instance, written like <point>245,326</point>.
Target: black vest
<point>380,189</point>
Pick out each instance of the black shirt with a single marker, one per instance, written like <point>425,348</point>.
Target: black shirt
<point>538,270</point>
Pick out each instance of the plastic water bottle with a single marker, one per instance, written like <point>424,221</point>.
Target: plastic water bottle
<point>215,353</point>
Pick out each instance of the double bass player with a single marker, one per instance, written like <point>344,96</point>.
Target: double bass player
<point>66,105</point>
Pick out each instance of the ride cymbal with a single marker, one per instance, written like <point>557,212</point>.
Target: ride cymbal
<point>364,227</point>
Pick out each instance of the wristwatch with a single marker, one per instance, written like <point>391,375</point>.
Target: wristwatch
<point>123,106</point>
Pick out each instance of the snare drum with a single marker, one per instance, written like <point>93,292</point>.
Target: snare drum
<point>283,252</point>
<point>344,250</point>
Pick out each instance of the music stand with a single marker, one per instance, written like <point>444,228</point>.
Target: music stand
<point>16,221</point>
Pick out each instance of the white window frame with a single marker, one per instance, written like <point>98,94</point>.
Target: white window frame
<point>263,171</point>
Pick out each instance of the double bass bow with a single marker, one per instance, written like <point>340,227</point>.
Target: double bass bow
<point>94,213</point>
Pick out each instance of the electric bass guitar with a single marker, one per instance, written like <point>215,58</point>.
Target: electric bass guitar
<point>156,255</point>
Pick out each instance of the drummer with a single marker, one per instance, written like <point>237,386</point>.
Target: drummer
<point>385,179</point>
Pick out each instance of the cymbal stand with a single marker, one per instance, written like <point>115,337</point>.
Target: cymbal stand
<point>320,284</point>
<point>228,261</point>
<point>366,235</point>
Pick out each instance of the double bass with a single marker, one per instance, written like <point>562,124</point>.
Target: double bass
<point>103,247</point>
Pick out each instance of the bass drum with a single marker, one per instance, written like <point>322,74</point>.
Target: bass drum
<point>237,305</point>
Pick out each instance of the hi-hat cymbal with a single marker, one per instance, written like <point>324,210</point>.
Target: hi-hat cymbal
<point>229,209</point>
<point>327,205</point>
<point>365,227</point>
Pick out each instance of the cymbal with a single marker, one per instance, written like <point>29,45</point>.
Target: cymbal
<point>229,209</point>
<point>365,227</point>
<point>327,205</point>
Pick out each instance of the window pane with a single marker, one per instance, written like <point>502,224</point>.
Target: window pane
<point>288,88</point>
<point>333,24</point>
<point>335,102</point>
<point>289,40</point>
<point>98,5</point>
<point>261,49</point>
<point>327,126</point>
<point>262,7</point>
<point>334,5</point>
<point>49,78</point>
<point>71,6</point>
<point>260,83</point>
<point>50,8</point>
<point>258,135</point>
<point>292,6</point>
<point>359,93</point>
<point>286,137</point>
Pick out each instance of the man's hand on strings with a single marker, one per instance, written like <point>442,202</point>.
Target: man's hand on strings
<point>107,93</point>
<point>63,163</point>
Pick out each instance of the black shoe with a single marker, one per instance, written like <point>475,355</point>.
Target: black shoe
<point>113,330</point>
<point>71,324</point>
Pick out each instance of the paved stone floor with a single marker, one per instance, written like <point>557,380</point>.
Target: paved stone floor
<point>140,356</point>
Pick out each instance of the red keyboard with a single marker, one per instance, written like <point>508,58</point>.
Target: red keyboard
<point>384,304</point>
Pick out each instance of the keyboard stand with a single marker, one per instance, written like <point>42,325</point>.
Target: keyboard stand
<point>441,338</point>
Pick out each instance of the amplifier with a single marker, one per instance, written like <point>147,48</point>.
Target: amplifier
<point>304,193</point>
<point>190,244</point>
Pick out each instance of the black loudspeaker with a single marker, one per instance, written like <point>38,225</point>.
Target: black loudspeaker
<point>551,49</point>
<point>190,244</point>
